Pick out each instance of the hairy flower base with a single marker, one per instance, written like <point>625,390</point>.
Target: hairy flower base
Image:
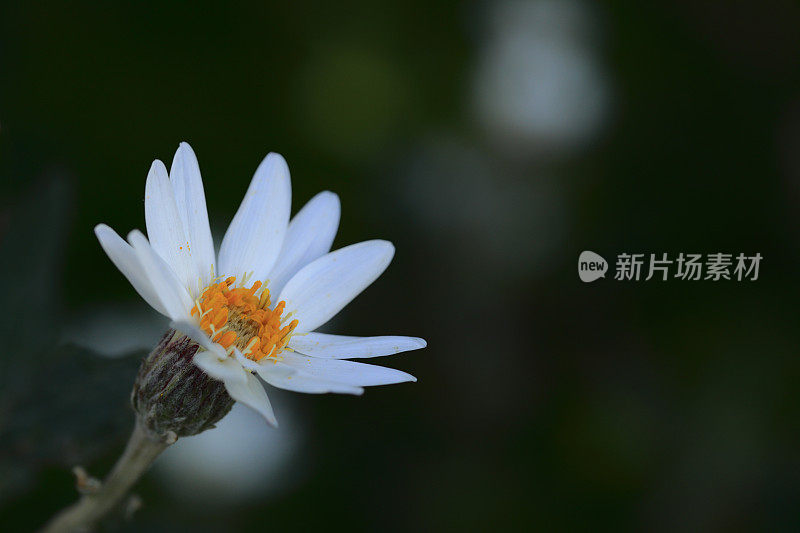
<point>172,394</point>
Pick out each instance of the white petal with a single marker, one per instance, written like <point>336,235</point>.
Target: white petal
<point>255,236</point>
<point>275,369</point>
<point>165,227</point>
<point>310,235</point>
<point>322,288</point>
<point>301,382</point>
<point>170,290</point>
<point>226,369</point>
<point>324,346</point>
<point>252,394</point>
<point>244,361</point>
<point>124,257</point>
<point>190,329</point>
<point>347,372</point>
<point>191,202</point>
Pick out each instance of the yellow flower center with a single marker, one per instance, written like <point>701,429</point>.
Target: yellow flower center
<point>241,317</point>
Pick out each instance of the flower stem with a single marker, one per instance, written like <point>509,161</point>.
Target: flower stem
<point>143,448</point>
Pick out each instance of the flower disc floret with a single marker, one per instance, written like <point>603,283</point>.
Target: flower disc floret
<point>242,317</point>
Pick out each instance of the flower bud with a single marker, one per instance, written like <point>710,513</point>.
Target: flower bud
<point>171,394</point>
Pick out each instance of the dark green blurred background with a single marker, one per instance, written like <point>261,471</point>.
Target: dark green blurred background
<point>492,142</point>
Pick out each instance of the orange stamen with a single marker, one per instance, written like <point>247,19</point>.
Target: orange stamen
<point>236,316</point>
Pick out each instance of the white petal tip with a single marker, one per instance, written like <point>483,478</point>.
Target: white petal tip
<point>158,166</point>
<point>184,149</point>
<point>407,378</point>
<point>387,249</point>
<point>381,250</point>
<point>271,420</point>
<point>400,377</point>
<point>275,157</point>
<point>275,162</point>
<point>135,235</point>
<point>329,196</point>
<point>267,415</point>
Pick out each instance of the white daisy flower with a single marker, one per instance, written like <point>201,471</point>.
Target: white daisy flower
<point>255,308</point>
